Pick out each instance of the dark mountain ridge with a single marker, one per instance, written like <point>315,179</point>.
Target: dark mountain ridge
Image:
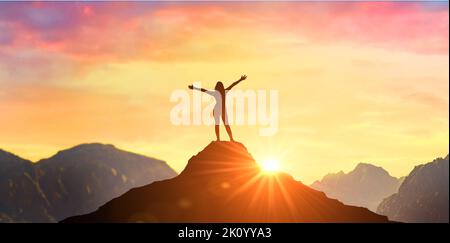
<point>73,181</point>
<point>223,183</point>
<point>422,197</point>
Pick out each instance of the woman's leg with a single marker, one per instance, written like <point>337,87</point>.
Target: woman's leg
<point>217,132</point>
<point>217,122</point>
<point>229,132</point>
<point>225,122</point>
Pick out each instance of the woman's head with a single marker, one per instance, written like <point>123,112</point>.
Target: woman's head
<point>219,87</point>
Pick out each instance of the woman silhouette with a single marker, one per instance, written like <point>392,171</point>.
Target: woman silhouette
<point>219,95</point>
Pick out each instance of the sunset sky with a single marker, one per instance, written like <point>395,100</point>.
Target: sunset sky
<point>357,82</point>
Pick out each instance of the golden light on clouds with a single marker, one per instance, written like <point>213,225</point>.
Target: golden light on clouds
<point>349,90</point>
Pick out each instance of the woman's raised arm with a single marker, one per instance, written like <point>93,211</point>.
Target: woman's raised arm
<point>243,77</point>
<point>199,89</point>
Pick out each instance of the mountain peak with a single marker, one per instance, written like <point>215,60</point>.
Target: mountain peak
<point>423,195</point>
<point>234,151</point>
<point>367,166</point>
<point>74,181</point>
<point>366,185</point>
<point>84,149</point>
<point>221,157</point>
<point>222,183</point>
<point>90,147</point>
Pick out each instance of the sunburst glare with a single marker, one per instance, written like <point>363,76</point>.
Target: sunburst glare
<point>270,165</point>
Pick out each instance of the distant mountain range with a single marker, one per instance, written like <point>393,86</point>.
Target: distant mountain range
<point>220,184</point>
<point>366,186</point>
<point>422,197</point>
<point>223,183</point>
<point>72,182</point>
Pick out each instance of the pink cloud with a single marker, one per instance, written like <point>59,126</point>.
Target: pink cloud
<point>92,32</point>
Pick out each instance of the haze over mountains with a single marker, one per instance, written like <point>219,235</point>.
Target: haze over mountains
<point>74,181</point>
<point>223,183</point>
<point>423,196</point>
<point>366,185</point>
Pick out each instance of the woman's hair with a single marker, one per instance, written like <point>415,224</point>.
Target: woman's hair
<point>219,87</point>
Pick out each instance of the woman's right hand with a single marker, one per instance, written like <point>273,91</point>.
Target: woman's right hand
<point>191,86</point>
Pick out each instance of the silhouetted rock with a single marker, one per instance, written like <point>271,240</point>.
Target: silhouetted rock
<point>366,186</point>
<point>422,197</point>
<point>223,183</point>
<point>72,182</point>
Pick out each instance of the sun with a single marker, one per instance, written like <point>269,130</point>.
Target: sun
<point>270,165</point>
